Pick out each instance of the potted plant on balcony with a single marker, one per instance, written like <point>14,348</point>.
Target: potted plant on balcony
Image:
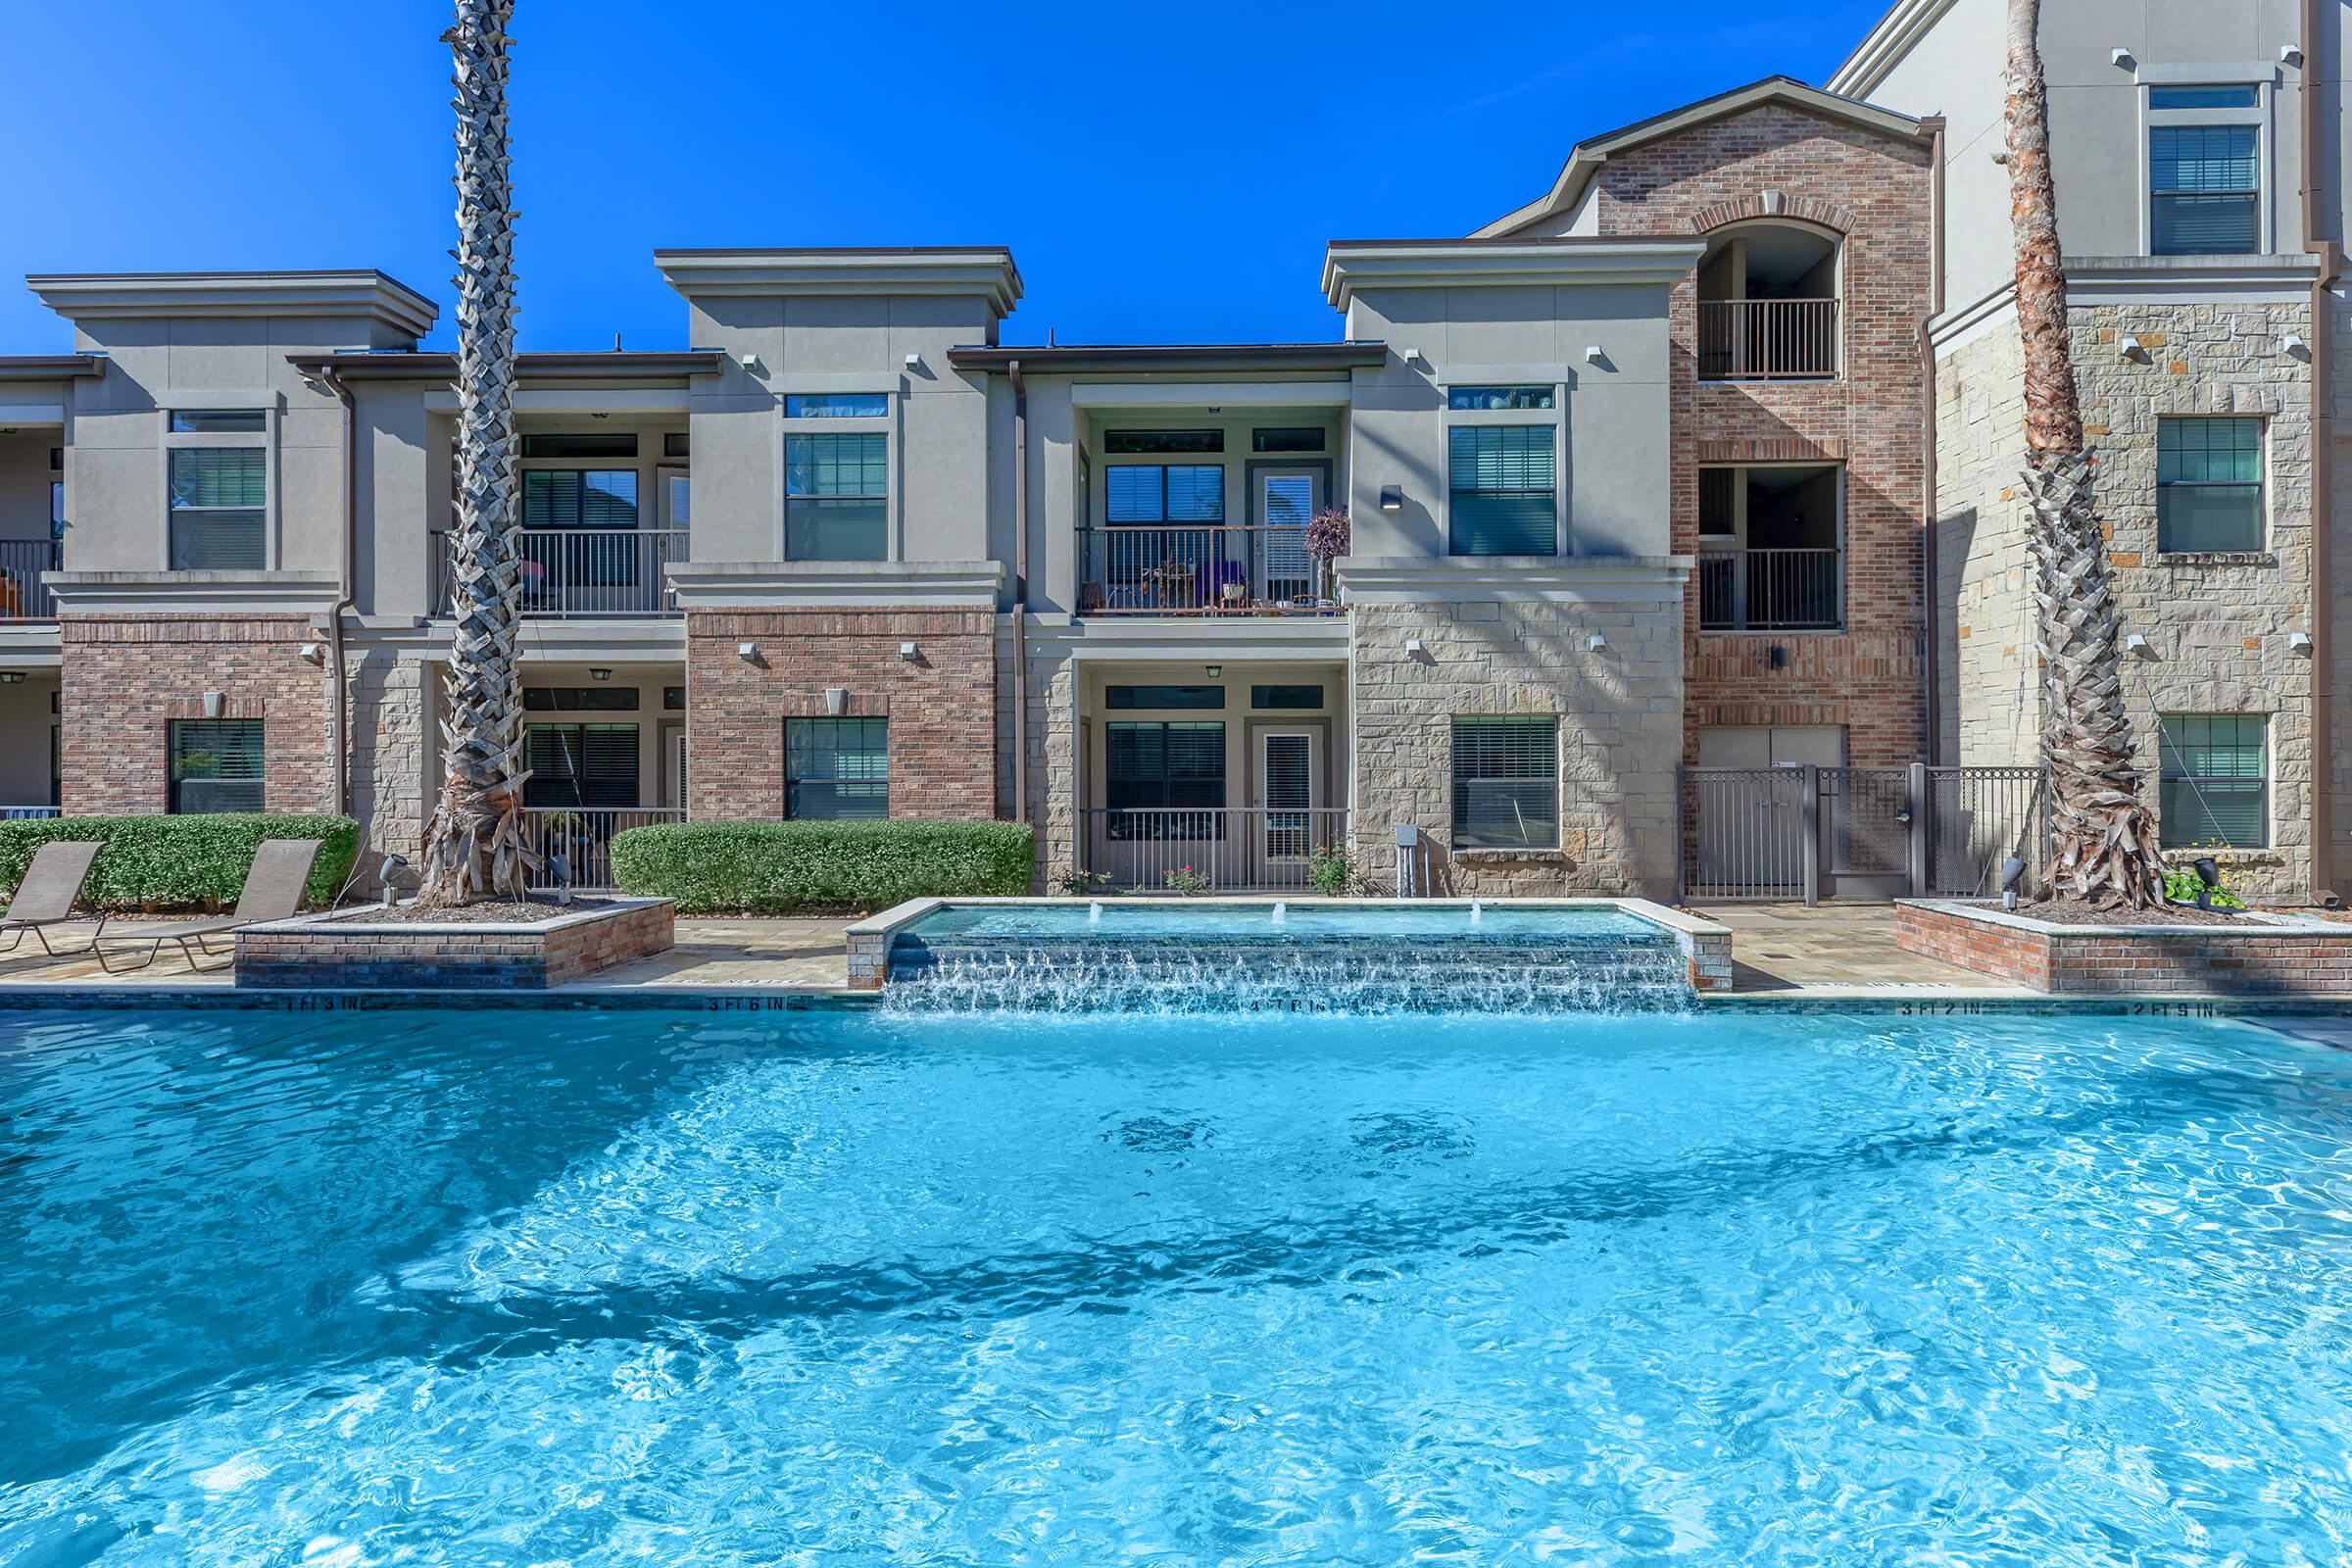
<point>1326,542</point>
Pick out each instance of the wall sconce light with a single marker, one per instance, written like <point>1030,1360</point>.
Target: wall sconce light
<point>2121,57</point>
<point>2291,54</point>
<point>1411,356</point>
<point>913,362</point>
<point>1776,658</point>
<point>2297,642</point>
<point>1412,648</point>
<point>1593,354</point>
<point>12,677</point>
<point>1596,642</point>
<point>214,702</point>
<point>837,701</point>
<point>907,652</point>
<point>2134,643</point>
<point>1214,670</point>
<point>2292,344</point>
<point>315,652</point>
<point>2128,348</point>
<point>747,650</point>
<point>599,672</point>
<point>1391,498</point>
<point>750,364</point>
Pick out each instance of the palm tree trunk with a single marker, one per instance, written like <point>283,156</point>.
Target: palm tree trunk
<point>475,845</point>
<point>2103,840</point>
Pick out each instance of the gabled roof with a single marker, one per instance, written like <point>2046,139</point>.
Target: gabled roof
<point>1586,157</point>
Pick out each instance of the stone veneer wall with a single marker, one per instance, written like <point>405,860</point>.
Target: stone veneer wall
<point>1873,191</point>
<point>126,677</point>
<point>941,704</point>
<point>1054,747</point>
<point>2217,625</point>
<point>391,746</point>
<point>1621,719</point>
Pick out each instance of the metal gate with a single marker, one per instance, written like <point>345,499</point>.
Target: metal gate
<point>1815,833</point>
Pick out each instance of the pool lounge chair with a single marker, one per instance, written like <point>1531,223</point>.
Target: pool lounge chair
<point>272,891</point>
<point>46,897</point>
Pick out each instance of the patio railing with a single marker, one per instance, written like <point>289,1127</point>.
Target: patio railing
<point>1199,570</point>
<point>1767,340</point>
<point>575,572</point>
<point>22,594</point>
<point>1230,848</point>
<point>1770,590</point>
<point>583,834</point>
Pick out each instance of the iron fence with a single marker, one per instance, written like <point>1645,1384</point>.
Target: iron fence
<point>1231,849</point>
<point>1770,590</point>
<point>1815,833</point>
<point>1208,569</point>
<point>583,836</point>
<point>1767,340</point>
<point>22,594</point>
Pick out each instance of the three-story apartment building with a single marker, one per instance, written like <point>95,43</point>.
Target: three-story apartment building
<point>1636,479</point>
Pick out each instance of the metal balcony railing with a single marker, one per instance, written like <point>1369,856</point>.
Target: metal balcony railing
<point>22,594</point>
<point>1770,590</point>
<point>1224,848</point>
<point>1199,570</point>
<point>583,835</point>
<point>577,573</point>
<point>1767,340</point>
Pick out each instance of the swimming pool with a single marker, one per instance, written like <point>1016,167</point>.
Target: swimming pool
<point>520,1286</point>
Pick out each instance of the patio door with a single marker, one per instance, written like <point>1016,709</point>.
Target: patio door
<point>1286,795</point>
<point>1283,500</point>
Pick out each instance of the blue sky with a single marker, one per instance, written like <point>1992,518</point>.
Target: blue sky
<point>1161,175</point>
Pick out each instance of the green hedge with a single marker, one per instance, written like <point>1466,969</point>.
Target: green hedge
<point>180,863</point>
<point>771,867</point>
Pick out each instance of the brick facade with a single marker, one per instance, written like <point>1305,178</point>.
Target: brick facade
<point>941,703</point>
<point>126,677</point>
<point>2305,958</point>
<point>352,951</point>
<point>1775,164</point>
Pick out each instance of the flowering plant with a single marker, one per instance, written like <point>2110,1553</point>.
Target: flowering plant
<point>1326,535</point>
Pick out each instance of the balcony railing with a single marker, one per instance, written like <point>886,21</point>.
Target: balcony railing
<point>1199,570</point>
<point>577,573</point>
<point>1770,590</point>
<point>22,594</point>
<point>583,836</point>
<point>1224,848</point>
<point>1767,340</point>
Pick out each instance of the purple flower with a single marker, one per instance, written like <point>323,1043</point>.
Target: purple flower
<point>1326,535</point>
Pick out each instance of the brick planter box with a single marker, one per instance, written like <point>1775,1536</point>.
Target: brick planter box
<point>350,950</point>
<point>2259,955</point>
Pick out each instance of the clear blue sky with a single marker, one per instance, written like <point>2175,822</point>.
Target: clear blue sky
<point>1161,175</point>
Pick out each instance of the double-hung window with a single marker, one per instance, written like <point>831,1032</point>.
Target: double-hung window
<point>2214,780</point>
<point>1506,782</point>
<point>837,497</point>
<point>1503,483</point>
<point>1165,781</point>
<point>216,765</point>
<point>580,766</point>
<point>2208,484</point>
<point>836,769</point>
<point>2204,169</point>
<point>218,473</point>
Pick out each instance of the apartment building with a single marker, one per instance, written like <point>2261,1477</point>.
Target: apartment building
<point>1637,477</point>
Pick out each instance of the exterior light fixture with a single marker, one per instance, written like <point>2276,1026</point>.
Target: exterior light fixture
<point>2291,54</point>
<point>750,364</point>
<point>1391,498</point>
<point>1214,670</point>
<point>1411,356</point>
<point>837,701</point>
<point>12,677</point>
<point>599,672</point>
<point>2136,643</point>
<point>1596,642</point>
<point>2129,347</point>
<point>1776,657</point>
<point>2013,871</point>
<point>2121,57</point>
<point>747,650</point>
<point>2297,642</point>
<point>316,653</point>
<point>913,362</point>
<point>1412,648</point>
<point>1593,354</point>
<point>906,651</point>
<point>391,866</point>
<point>2292,343</point>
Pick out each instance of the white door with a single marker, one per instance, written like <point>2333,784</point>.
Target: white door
<point>1285,501</point>
<point>1285,774</point>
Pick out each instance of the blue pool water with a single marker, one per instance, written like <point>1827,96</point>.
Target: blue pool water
<point>513,1287</point>
<point>1199,921</point>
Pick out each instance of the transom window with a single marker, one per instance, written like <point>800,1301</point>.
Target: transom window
<point>220,421</point>
<point>579,698</point>
<point>1151,492</point>
<point>1286,697</point>
<point>1287,438</point>
<point>2208,484</point>
<point>216,765</point>
<point>836,404</point>
<point>2214,780</point>
<point>592,444</point>
<point>580,766</point>
<point>837,497</point>
<point>1149,441</point>
<point>836,769</point>
<point>1500,397</point>
<point>1502,480</point>
<point>2225,95</point>
<point>1163,696</point>
<point>1506,782</point>
<point>2205,189</point>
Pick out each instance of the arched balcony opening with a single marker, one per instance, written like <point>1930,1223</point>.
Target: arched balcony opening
<point>1768,305</point>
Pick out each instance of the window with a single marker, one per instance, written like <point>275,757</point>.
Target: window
<point>837,406</point>
<point>579,698</point>
<point>220,421</point>
<point>1506,783</point>
<point>2204,183</point>
<point>220,496</point>
<point>676,444</point>
<point>1154,768</point>
<point>2233,95</point>
<point>57,509</point>
<point>837,504</point>
<point>1301,438</point>
<point>836,769</point>
<point>1499,397</point>
<point>1149,492</point>
<point>1163,696</point>
<point>1502,481</point>
<point>673,699</point>
<point>216,765</point>
<point>2208,484</point>
<point>580,766</point>
<point>600,444</point>
<point>2214,780</point>
<point>579,497</point>
<point>1286,697</point>
<point>1145,441</point>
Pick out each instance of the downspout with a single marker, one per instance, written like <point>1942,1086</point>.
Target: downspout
<point>1931,692</point>
<point>1020,591</point>
<point>2322,597</point>
<point>347,594</point>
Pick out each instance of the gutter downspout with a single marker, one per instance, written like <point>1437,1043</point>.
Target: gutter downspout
<point>347,593</point>
<point>2322,597</point>
<point>1932,687</point>
<point>1020,591</point>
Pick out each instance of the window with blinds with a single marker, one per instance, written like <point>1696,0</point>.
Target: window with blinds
<point>220,499</point>
<point>580,766</point>
<point>216,765</point>
<point>2214,780</point>
<point>837,497</point>
<point>2205,189</point>
<point>1156,769</point>
<point>836,769</point>
<point>1506,782</point>
<point>1503,482</point>
<point>1153,492</point>
<point>2208,484</point>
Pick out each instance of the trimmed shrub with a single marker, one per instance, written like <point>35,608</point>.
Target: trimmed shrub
<point>180,863</point>
<point>774,868</point>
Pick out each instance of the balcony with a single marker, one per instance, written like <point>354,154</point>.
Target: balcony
<point>1770,590</point>
<point>1222,849</point>
<point>1767,340</point>
<point>583,573</point>
<point>22,594</point>
<point>1208,569</point>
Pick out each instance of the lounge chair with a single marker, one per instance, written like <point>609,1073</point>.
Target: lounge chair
<point>52,886</point>
<point>272,891</point>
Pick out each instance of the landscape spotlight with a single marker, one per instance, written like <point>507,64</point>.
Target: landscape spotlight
<point>2013,871</point>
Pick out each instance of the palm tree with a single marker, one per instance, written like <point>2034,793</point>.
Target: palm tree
<point>2103,840</point>
<point>474,845</point>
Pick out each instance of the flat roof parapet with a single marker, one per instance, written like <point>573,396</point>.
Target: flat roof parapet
<point>963,271</point>
<point>357,291</point>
